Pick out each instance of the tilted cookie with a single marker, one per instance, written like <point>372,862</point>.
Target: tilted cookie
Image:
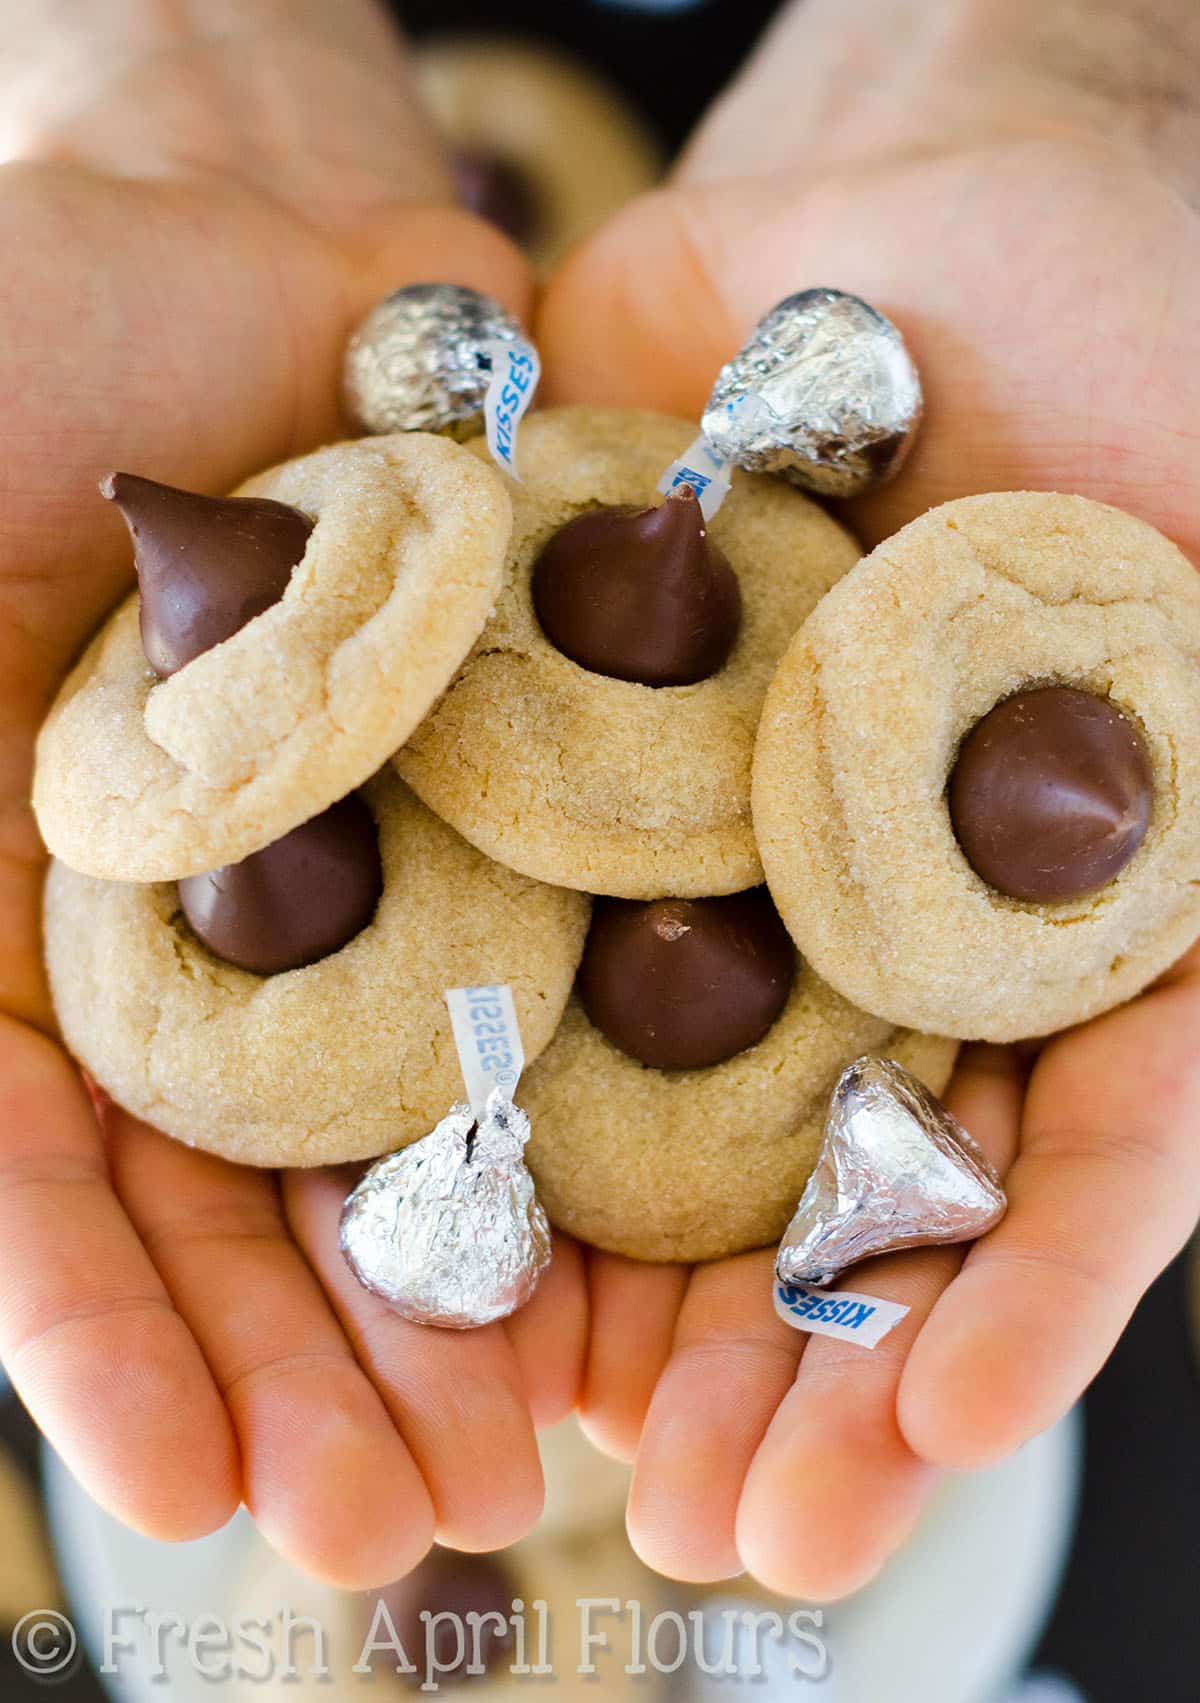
<point>540,144</point>
<point>555,755</point>
<point>342,1058</point>
<point>680,1108</point>
<point>977,779</point>
<point>290,692</point>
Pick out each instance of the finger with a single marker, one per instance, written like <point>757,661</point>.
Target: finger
<point>1021,390</point>
<point>548,1335</point>
<point>629,1302</point>
<point>1105,1190</point>
<point>731,1363</point>
<point>457,1397</point>
<point>326,1477</point>
<point>834,1489</point>
<point>88,1334</point>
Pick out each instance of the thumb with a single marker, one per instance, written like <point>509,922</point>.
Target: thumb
<point>1033,372</point>
<point>189,332</point>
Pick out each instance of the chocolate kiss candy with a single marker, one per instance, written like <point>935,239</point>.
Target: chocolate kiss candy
<point>446,1583</point>
<point>824,392</point>
<point>639,594</point>
<point>299,899</point>
<point>1051,794</point>
<point>896,1171</point>
<point>497,191</point>
<point>205,565</point>
<point>420,362</point>
<point>449,1230</point>
<point>685,983</point>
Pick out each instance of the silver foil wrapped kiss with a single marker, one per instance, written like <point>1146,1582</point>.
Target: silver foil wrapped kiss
<point>449,1230</point>
<point>896,1171</point>
<point>419,361</point>
<point>824,392</point>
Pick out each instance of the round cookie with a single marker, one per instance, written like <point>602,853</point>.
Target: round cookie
<point>544,147</point>
<point>345,1059</point>
<point>604,784</point>
<point>140,779</point>
<point>696,1164</point>
<point>862,727</point>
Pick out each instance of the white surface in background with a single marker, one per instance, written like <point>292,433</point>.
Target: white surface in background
<point>952,1620</point>
<point>1045,1688</point>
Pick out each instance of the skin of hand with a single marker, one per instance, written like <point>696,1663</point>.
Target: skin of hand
<point>194,210</point>
<point>1015,182</point>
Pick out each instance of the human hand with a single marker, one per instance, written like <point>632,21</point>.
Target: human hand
<point>1016,185</point>
<point>191,225</point>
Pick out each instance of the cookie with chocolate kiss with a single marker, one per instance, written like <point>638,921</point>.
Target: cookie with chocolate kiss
<point>542,146</point>
<point>679,1109</point>
<point>600,735</point>
<point>285,642</point>
<point>977,778</point>
<point>290,1010</point>
<point>681,1104</point>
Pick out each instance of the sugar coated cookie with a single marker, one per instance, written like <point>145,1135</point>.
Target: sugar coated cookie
<point>977,778</point>
<point>173,750</point>
<point>541,146</point>
<point>696,1164</point>
<point>343,1058</point>
<point>558,757</point>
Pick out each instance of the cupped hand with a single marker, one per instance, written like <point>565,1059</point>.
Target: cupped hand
<point>190,228</point>
<point>1015,185</point>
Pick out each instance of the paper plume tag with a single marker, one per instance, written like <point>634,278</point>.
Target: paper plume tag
<point>837,1312</point>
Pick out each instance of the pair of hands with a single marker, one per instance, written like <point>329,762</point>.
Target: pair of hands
<point>192,226</point>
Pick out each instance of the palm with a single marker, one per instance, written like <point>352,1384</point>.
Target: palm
<point>183,1329</point>
<point>1040,284</point>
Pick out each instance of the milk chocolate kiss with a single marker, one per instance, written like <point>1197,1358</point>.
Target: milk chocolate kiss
<point>205,565</point>
<point>685,983</point>
<point>639,594</point>
<point>445,1583</point>
<point>498,191</point>
<point>1051,794</point>
<point>298,900</point>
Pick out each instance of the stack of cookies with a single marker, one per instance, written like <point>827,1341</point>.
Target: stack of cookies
<point>725,805</point>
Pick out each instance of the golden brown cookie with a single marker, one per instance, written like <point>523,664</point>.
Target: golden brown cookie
<point>347,1058</point>
<point>545,147</point>
<point>603,784</point>
<point>146,780</point>
<point>974,602</point>
<point>697,1164</point>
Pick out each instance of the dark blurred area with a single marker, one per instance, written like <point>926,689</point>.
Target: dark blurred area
<point>668,61</point>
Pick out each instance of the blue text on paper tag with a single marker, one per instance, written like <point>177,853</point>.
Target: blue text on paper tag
<point>516,369</point>
<point>839,1313</point>
<point>703,469</point>
<point>484,1020</point>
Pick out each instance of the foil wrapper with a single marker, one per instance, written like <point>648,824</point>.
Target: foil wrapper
<point>896,1171</point>
<point>824,392</point>
<point>449,1230</point>
<point>419,362</point>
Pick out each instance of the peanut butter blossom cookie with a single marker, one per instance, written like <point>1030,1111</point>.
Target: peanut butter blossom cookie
<point>283,643</point>
<point>600,734</point>
<point>289,1009</point>
<point>680,1108</point>
<point>977,778</point>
